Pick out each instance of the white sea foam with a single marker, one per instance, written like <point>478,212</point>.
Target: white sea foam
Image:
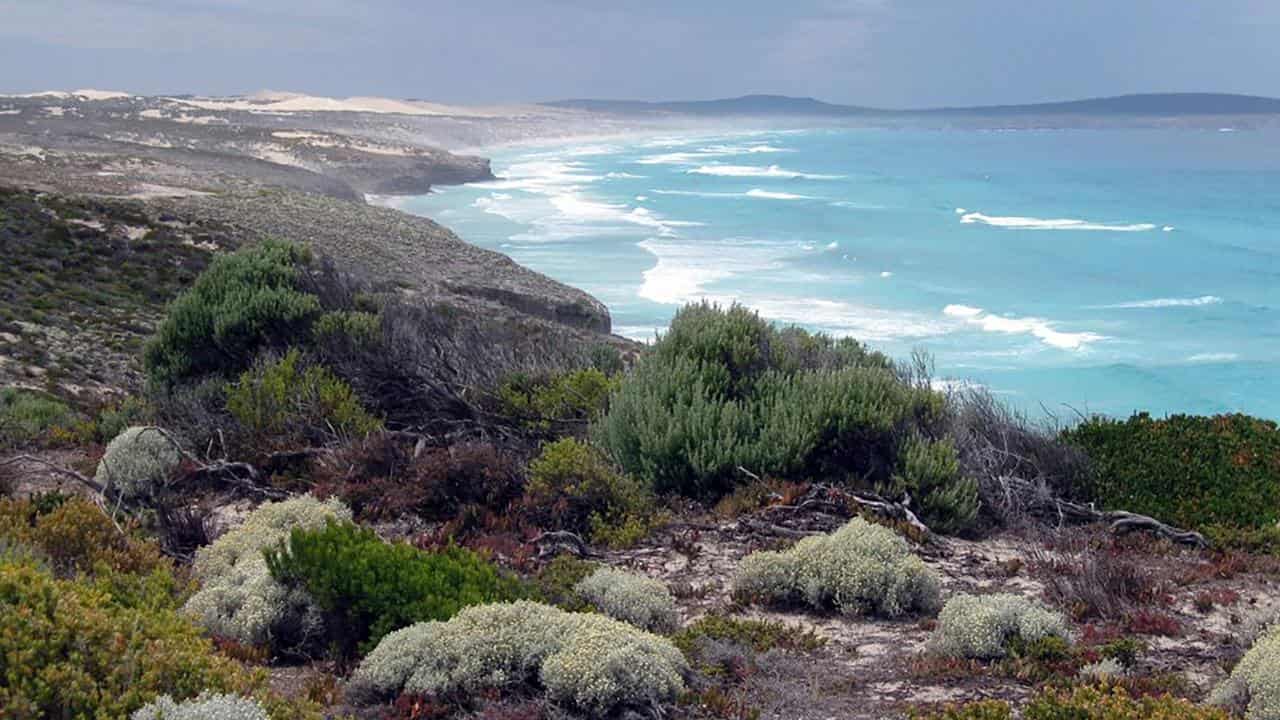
<point>886,274</point>
<point>772,171</point>
<point>687,272</point>
<point>1031,223</point>
<point>856,205</point>
<point>752,193</point>
<point>701,155</point>
<point>1164,303</point>
<point>1214,357</point>
<point>623,176</point>
<point>639,333</point>
<point>675,158</point>
<point>774,195</point>
<point>1039,328</point>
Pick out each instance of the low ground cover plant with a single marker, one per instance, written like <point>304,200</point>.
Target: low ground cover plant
<point>635,599</point>
<point>1086,702</point>
<point>861,568</point>
<point>139,462</point>
<point>1254,684</point>
<point>239,599</point>
<point>983,626</point>
<point>585,660</point>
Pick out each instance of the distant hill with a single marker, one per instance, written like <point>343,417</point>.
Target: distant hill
<point>1163,104</point>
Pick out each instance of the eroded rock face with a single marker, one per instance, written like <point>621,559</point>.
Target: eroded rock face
<point>386,245</point>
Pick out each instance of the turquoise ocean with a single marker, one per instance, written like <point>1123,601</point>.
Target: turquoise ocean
<point>1089,270</point>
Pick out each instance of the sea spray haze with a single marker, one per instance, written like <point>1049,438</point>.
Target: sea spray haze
<point>1106,270</point>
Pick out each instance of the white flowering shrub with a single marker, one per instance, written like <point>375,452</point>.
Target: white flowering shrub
<point>1254,684</point>
<point>138,461</point>
<point>981,626</point>
<point>860,569</point>
<point>640,601</point>
<point>204,707</point>
<point>238,598</point>
<point>586,660</point>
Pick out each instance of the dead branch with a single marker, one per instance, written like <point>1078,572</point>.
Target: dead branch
<point>57,469</point>
<point>553,542</point>
<point>1038,503</point>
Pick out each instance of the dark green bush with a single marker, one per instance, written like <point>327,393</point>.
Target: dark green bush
<point>930,471</point>
<point>1193,471</point>
<point>283,399</point>
<point>242,303</point>
<point>724,390</point>
<point>370,587</point>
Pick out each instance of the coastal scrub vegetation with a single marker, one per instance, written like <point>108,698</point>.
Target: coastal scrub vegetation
<point>725,391</point>
<point>1192,471</point>
<point>367,587</point>
<point>861,569</point>
<point>242,303</point>
<point>585,660</point>
<point>325,474</point>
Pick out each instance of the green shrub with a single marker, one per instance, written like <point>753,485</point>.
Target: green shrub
<point>68,651</point>
<point>560,402</point>
<point>984,626</point>
<point>930,473</point>
<point>570,482</point>
<point>1254,684</point>
<point>1192,471</point>
<point>555,582</point>
<point>76,536</point>
<point>724,390</point>
<point>138,462</point>
<point>634,599</point>
<point>206,706</point>
<point>859,569</point>
<point>585,660</point>
<point>26,417</point>
<point>347,326</point>
<point>759,635</point>
<point>240,304</point>
<point>238,598</point>
<point>280,399</point>
<point>115,419</point>
<point>369,587</point>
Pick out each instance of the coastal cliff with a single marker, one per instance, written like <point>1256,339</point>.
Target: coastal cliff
<point>148,183</point>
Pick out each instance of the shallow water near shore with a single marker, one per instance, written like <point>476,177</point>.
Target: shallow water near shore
<point>1068,270</point>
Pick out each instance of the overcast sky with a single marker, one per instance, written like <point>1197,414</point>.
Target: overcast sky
<point>887,53</point>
